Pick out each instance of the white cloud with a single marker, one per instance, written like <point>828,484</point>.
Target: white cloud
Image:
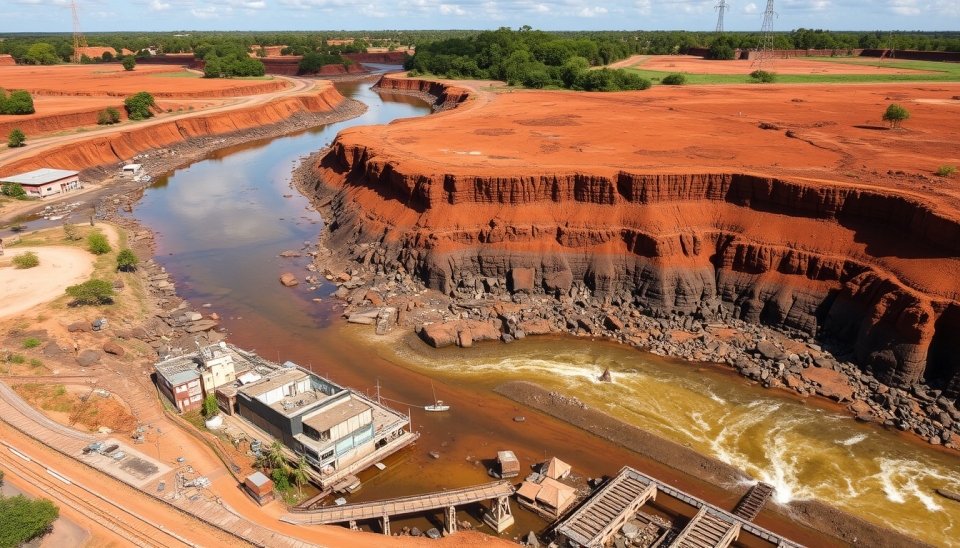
<point>209,12</point>
<point>157,5</point>
<point>592,12</point>
<point>451,9</point>
<point>750,8</point>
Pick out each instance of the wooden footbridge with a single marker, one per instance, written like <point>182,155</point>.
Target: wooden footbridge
<point>499,516</point>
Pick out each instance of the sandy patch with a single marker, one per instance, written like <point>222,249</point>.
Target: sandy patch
<point>60,267</point>
<point>697,65</point>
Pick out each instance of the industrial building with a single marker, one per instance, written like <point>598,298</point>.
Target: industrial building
<point>44,182</point>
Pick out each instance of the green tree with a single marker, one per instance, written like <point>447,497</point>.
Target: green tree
<point>70,231</point>
<point>14,190</point>
<point>138,106</point>
<point>129,62</point>
<point>763,76</point>
<point>42,54</point>
<point>720,51</point>
<point>212,68</point>
<point>210,406</point>
<point>16,138</point>
<point>22,519</point>
<point>895,115</point>
<point>674,80</point>
<point>107,57</point>
<point>301,473</point>
<point>281,480</point>
<point>311,63</point>
<point>108,116</point>
<point>127,260</point>
<point>276,457</point>
<point>26,260</point>
<point>19,102</point>
<point>92,292</point>
<point>97,244</point>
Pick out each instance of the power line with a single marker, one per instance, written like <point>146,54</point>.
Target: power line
<point>79,41</point>
<point>721,7</point>
<point>765,56</point>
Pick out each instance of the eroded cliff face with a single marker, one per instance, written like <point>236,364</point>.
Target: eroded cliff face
<point>870,268</point>
<point>123,145</point>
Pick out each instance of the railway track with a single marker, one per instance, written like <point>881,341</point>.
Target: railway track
<point>114,517</point>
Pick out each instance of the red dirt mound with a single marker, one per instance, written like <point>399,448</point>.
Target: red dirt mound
<point>788,205</point>
<point>7,60</point>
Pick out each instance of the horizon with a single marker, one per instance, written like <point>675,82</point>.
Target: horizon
<point>103,16</point>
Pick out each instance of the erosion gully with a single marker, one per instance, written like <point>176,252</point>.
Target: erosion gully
<point>222,222</point>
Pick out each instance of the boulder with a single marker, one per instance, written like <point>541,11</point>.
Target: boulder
<point>558,281</point>
<point>290,254</point>
<point>833,384</point>
<point>521,280</point>
<point>79,327</point>
<point>201,325</point>
<point>535,327</point>
<point>439,335</point>
<point>51,349</point>
<point>139,333</point>
<point>768,350</point>
<point>111,347</point>
<point>374,299</point>
<point>613,323</point>
<point>193,316</point>
<point>88,358</point>
<point>465,338</point>
<point>288,279</point>
<point>360,319</point>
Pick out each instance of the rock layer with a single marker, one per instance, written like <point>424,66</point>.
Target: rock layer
<point>864,266</point>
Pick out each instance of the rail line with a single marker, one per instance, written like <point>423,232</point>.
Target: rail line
<point>114,517</point>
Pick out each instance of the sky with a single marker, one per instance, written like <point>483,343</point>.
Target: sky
<point>743,15</point>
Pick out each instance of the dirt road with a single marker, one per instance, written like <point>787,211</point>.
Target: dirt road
<point>60,267</point>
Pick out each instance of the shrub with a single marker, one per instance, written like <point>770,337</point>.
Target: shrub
<point>19,102</point>
<point>22,519</point>
<point>674,80</point>
<point>210,406</point>
<point>138,106</point>
<point>895,115</point>
<point>763,77</point>
<point>281,481</point>
<point>108,116</point>
<point>720,51</point>
<point>26,260</point>
<point>92,292</point>
<point>18,358</point>
<point>70,230</point>
<point>35,362</point>
<point>107,56</point>
<point>31,342</point>
<point>127,260</point>
<point>98,244</point>
<point>946,171</point>
<point>14,190</point>
<point>16,138</point>
<point>129,62</point>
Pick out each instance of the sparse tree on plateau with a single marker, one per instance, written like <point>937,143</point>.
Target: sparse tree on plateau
<point>92,292</point>
<point>127,260</point>
<point>895,115</point>
<point>129,62</point>
<point>16,138</point>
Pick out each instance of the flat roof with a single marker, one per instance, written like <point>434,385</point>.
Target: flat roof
<point>326,418</point>
<point>258,479</point>
<point>39,176</point>
<point>262,387</point>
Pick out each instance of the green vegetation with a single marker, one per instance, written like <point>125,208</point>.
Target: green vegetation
<point>946,171</point>
<point>674,80</point>
<point>14,190</point>
<point>17,358</point>
<point>108,116</point>
<point>210,406</point>
<point>16,138</point>
<point>530,58</point>
<point>22,519</point>
<point>93,292</point>
<point>19,102</point>
<point>228,59</point>
<point>127,260</point>
<point>895,115</point>
<point>106,57</point>
<point>26,260</point>
<point>721,50</point>
<point>313,61</point>
<point>70,231</point>
<point>139,106</point>
<point>129,62</point>
<point>31,342</point>
<point>763,76</point>
<point>42,53</point>
<point>97,244</point>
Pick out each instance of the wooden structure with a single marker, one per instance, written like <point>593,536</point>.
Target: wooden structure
<point>499,516</point>
<point>595,522</point>
<point>751,503</point>
<point>509,464</point>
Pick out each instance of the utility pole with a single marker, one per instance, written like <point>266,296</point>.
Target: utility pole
<point>765,56</point>
<point>721,7</point>
<point>79,41</point>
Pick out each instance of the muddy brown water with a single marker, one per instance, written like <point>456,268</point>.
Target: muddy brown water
<point>222,222</point>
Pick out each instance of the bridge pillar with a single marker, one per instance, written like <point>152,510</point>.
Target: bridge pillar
<point>385,522</point>
<point>450,520</point>
<point>499,517</point>
<point>353,525</point>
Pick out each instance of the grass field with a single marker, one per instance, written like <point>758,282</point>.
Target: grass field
<point>945,72</point>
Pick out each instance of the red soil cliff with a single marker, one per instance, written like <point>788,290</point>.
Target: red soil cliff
<point>674,200</point>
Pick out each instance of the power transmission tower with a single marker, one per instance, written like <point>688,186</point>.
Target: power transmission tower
<point>721,7</point>
<point>765,56</point>
<point>79,41</point>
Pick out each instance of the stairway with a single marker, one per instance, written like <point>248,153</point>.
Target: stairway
<point>751,503</point>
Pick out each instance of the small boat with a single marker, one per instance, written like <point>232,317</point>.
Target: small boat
<point>438,405</point>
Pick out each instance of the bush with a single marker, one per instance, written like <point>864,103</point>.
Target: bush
<point>763,77</point>
<point>70,231</point>
<point>17,358</point>
<point>107,56</point>
<point>674,80</point>
<point>16,138</point>
<point>19,102</point>
<point>31,342</point>
<point>895,115</point>
<point>281,481</point>
<point>720,51</point>
<point>35,362</point>
<point>946,171</point>
<point>127,260</point>
<point>108,116</point>
<point>92,292</point>
<point>129,62</point>
<point>26,260</point>
<point>210,406</point>
<point>98,244</point>
<point>138,106</point>
<point>14,190</point>
<point>22,519</point>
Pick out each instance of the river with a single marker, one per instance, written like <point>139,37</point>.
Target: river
<point>223,221</point>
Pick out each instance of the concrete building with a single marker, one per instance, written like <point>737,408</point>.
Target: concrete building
<point>185,380</point>
<point>260,487</point>
<point>41,183</point>
<point>340,431</point>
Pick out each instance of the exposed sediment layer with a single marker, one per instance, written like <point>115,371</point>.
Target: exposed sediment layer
<point>819,516</point>
<point>865,266</point>
<point>123,145</point>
